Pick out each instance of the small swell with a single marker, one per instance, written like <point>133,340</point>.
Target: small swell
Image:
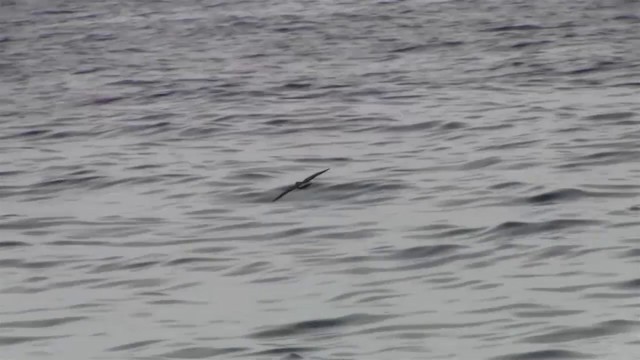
<point>106,100</point>
<point>482,163</point>
<point>289,351</point>
<point>420,252</point>
<point>551,354</point>
<point>506,185</point>
<point>602,329</point>
<point>561,195</point>
<point>133,345</point>
<point>417,48</point>
<point>524,27</point>
<point>36,324</point>
<point>8,244</point>
<point>13,340</point>
<point>524,44</point>
<point>629,285</point>
<point>412,127</point>
<point>200,352</point>
<point>614,116</point>
<point>453,125</point>
<point>318,325</point>
<point>515,228</point>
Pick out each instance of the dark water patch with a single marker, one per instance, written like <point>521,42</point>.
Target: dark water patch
<point>546,313</point>
<point>627,17</point>
<point>603,329</point>
<point>34,324</point>
<point>507,185</point>
<point>192,260</point>
<point>626,224</point>
<point>613,156</point>
<point>453,125</point>
<point>134,345</point>
<point>425,47</point>
<point>611,296</point>
<point>458,284</point>
<point>358,293</point>
<point>133,82</point>
<point>98,37</point>
<point>437,328</point>
<point>348,259</point>
<point>22,290</point>
<point>79,243</point>
<point>131,264</point>
<point>11,244</point>
<point>294,356</point>
<point>68,182</point>
<point>322,160</point>
<point>378,298</point>
<point>627,84</point>
<point>629,285</point>
<point>304,327</point>
<point>411,127</point>
<point>526,44</point>
<point>614,186</point>
<point>20,264</point>
<point>212,249</point>
<point>569,194</point>
<point>131,284</point>
<point>174,302</point>
<point>350,235</point>
<point>551,354</point>
<point>14,340</point>
<point>435,227</point>
<point>500,309</point>
<point>200,352</point>
<point>419,252</point>
<point>105,100</point>
<point>295,86</point>
<point>523,27</point>
<point>613,116</point>
<point>631,253</point>
<point>146,167</point>
<point>432,263</point>
<point>289,351</point>
<point>89,70</point>
<point>519,228</point>
<point>35,133</point>
<point>10,173</point>
<point>491,127</point>
<point>248,176</point>
<point>148,129</point>
<point>273,279</point>
<point>249,269</point>
<point>357,188</point>
<point>567,288</point>
<point>73,283</point>
<point>510,145</point>
<point>54,12</point>
<point>554,251</point>
<point>481,163</point>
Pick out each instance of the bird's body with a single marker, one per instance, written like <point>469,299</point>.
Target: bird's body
<point>301,184</point>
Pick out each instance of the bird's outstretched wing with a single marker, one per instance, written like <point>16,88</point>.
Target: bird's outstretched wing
<point>314,175</point>
<point>289,189</point>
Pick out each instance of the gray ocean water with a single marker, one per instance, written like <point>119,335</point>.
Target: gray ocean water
<point>481,203</point>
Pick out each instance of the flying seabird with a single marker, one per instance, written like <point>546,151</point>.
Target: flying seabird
<point>301,184</point>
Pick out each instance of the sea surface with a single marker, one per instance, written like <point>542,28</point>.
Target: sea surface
<point>482,200</point>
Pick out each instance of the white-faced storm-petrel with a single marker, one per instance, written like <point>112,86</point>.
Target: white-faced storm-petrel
<point>301,184</point>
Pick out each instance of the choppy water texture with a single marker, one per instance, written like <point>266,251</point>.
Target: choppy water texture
<point>482,201</point>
